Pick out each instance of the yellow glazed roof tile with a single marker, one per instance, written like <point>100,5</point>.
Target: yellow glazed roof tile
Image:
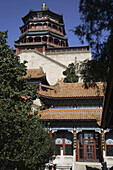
<point>63,90</point>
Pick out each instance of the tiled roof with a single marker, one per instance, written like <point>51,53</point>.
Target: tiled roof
<point>71,114</point>
<point>63,90</point>
<point>35,73</point>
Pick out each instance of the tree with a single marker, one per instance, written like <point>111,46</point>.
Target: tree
<point>24,143</point>
<point>71,73</point>
<point>97,28</point>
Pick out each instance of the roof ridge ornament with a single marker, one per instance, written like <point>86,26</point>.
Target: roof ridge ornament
<point>43,6</point>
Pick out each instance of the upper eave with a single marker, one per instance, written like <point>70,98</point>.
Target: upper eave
<point>41,20</point>
<point>47,10</point>
<point>71,114</point>
<point>67,97</point>
<point>72,90</point>
<point>30,33</point>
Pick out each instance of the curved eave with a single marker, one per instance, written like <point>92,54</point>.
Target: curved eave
<point>47,10</point>
<point>30,33</point>
<point>41,20</point>
<point>30,44</point>
<point>66,97</point>
<point>69,119</point>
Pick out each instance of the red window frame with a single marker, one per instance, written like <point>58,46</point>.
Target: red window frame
<point>63,145</point>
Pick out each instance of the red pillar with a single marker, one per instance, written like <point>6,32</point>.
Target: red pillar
<point>50,132</point>
<point>17,50</point>
<point>43,49</point>
<point>58,28</point>
<point>40,88</point>
<point>41,39</point>
<point>47,24</point>
<point>60,42</point>
<point>48,39</point>
<point>53,40</point>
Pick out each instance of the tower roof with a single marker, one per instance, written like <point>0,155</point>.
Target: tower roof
<point>44,11</point>
<point>71,114</point>
<point>35,73</point>
<point>72,90</point>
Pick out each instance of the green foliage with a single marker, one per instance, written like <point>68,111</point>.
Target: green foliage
<point>97,28</point>
<point>24,143</point>
<point>70,73</point>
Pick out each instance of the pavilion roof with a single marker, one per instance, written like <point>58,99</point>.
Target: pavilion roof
<point>71,114</point>
<point>31,12</point>
<point>35,73</point>
<point>72,90</point>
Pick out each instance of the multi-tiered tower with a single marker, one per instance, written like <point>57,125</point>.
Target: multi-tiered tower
<point>42,29</point>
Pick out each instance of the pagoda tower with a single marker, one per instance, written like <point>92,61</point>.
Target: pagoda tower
<point>41,30</point>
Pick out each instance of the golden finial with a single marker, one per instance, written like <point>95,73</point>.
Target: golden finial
<point>43,6</point>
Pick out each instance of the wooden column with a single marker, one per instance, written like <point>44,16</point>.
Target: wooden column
<point>44,50</point>
<point>47,24</point>
<point>53,41</point>
<point>59,42</point>
<point>74,140</point>
<point>17,50</point>
<point>50,132</point>
<point>47,39</point>
<point>58,28</point>
<point>102,145</point>
<point>41,39</point>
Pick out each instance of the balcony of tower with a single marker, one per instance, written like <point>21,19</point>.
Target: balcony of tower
<point>32,43</point>
<point>56,31</point>
<point>45,26</point>
<point>49,40</point>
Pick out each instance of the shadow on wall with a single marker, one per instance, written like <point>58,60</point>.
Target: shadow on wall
<point>90,168</point>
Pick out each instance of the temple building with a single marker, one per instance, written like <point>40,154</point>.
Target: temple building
<point>74,113</point>
<point>74,118</point>
<point>42,43</point>
<point>42,29</point>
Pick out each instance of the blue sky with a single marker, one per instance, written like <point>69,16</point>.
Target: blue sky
<point>11,12</point>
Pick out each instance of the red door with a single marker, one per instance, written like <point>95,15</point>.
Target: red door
<point>89,150</point>
<point>88,146</point>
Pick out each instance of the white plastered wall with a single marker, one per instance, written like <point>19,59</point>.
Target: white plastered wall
<point>53,65</point>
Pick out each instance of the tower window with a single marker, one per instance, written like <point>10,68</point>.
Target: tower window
<point>39,15</point>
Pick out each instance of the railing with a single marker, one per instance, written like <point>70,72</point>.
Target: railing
<point>43,29</point>
<point>67,49</point>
